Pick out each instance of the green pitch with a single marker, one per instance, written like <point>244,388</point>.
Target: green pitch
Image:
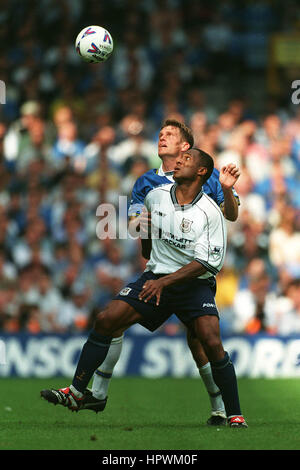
<point>149,414</point>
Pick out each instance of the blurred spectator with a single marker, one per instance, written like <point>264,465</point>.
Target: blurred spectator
<point>276,185</point>
<point>95,151</point>
<point>249,241</point>
<point>28,291</point>
<point>254,305</point>
<point>134,143</point>
<point>33,242</point>
<point>131,65</point>
<point>68,147</point>
<point>270,130</point>
<point>30,318</point>
<point>113,272</point>
<point>75,312</point>
<point>288,310</point>
<point>228,285</point>
<point>50,303</point>
<point>197,103</point>
<point>8,270</point>
<point>285,241</point>
<point>103,175</point>
<point>198,124</point>
<point>18,132</point>
<point>233,150</point>
<point>9,306</point>
<point>217,37</point>
<point>63,114</point>
<point>135,167</point>
<point>75,270</point>
<point>251,202</point>
<point>36,147</point>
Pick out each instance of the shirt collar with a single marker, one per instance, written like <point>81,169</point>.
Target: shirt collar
<point>185,206</point>
<point>167,174</point>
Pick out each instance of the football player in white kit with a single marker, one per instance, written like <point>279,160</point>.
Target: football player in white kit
<point>188,250</point>
<point>174,137</point>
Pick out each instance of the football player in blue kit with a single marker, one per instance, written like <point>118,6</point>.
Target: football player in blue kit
<point>179,278</point>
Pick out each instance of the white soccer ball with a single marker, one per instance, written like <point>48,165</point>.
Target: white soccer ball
<point>94,44</point>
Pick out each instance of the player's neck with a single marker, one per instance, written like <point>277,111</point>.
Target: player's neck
<point>168,163</point>
<point>187,191</point>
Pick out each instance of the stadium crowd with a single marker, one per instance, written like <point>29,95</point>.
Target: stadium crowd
<point>75,136</point>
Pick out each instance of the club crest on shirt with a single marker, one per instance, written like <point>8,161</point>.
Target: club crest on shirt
<point>186,225</point>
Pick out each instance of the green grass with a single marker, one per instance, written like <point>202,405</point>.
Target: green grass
<point>149,414</point>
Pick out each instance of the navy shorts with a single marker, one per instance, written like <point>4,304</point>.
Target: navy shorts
<point>187,300</point>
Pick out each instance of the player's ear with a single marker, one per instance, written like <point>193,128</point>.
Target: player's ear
<point>202,170</point>
<point>185,146</point>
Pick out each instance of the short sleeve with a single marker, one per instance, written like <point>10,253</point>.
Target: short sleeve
<point>137,199</point>
<point>210,246</point>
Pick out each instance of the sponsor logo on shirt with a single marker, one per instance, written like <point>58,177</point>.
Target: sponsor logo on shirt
<point>159,213</point>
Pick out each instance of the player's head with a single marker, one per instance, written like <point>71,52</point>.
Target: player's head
<point>193,164</point>
<point>174,138</point>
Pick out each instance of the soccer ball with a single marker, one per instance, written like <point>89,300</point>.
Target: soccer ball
<point>94,44</point>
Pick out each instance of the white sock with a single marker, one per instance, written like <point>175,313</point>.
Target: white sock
<point>212,389</point>
<point>76,392</point>
<point>103,374</point>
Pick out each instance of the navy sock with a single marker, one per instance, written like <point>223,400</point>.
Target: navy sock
<point>92,355</point>
<point>224,376</point>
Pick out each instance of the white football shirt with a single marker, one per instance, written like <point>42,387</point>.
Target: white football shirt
<point>181,234</point>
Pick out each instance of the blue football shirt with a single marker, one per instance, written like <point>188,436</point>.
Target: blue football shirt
<point>156,177</point>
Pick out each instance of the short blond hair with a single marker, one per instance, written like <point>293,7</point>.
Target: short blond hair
<point>185,131</point>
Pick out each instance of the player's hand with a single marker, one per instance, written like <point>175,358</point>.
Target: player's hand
<point>229,175</point>
<point>152,288</point>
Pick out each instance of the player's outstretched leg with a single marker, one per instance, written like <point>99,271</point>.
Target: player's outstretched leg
<point>92,355</point>
<point>116,316</point>
<point>96,398</point>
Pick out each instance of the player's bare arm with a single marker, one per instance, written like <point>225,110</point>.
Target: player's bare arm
<point>145,232</point>
<point>229,175</point>
<point>146,247</point>
<point>155,287</point>
<point>141,225</point>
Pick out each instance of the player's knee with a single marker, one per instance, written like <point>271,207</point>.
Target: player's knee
<point>104,324</point>
<point>212,346</point>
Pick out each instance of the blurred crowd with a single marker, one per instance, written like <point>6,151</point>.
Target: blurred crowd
<point>74,137</point>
